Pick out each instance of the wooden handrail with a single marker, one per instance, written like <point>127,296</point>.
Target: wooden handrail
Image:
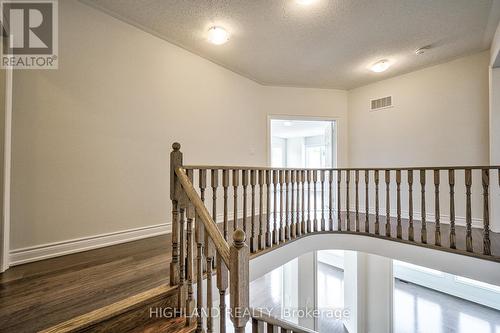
<point>218,240</point>
<point>261,316</point>
<point>241,167</point>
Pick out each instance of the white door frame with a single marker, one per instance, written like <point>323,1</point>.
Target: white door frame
<point>7,139</point>
<point>335,147</point>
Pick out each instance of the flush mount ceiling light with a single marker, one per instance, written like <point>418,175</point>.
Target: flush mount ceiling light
<point>304,2</point>
<point>217,35</point>
<point>380,66</point>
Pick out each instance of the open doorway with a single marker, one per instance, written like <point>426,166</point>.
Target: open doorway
<point>302,143</point>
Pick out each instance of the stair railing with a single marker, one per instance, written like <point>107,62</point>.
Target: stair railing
<point>232,261</point>
<point>276,205</point>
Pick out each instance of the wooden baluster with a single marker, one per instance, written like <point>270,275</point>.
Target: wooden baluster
<point>254,238</point>
<point>268,208</point>
<point>330,200</point>
<point>437,230</point>
<point>222,285</point>
<point>356,184</point>
<point>175,162</point>
<point>287,205</point>
<point>315,196</point>
<point>303,202</point>
<point>377,222</point>
<point>468,210</point>
<point>303,219</point>
<point>244,183</point>
<point>210,251</point>
<point>236,183</point>
<point>367,201</point>
<point>347,197</point>
<point>182,289</point>
<point>486,212</point>
<point>339,201</point>
<point>275,210</point>
<point>262,237</point>
<point>200,239</point>
<point>399,231</point>
<point>451,180</point>
<point>240,281</point>
<point>174,264</point>
<point>387,203</point>
<point>190,303</point>
<point>214,184</point>
<point>423,236</point>
<point>281,231</point>
<point>309,222</point>
<point>298,225</point>
<point>411,231</point>
<point>322,178</point>
<point>225,185</point>
<point>293,224</point>
<point>209,254</point>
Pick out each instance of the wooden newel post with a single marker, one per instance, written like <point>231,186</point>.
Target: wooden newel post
<point>175,162</point>
<point>239,282</point>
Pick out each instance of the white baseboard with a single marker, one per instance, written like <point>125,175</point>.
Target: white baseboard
<point>56,249</point>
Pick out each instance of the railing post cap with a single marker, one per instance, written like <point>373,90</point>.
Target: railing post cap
<point>239,238</point>
<point>176,146</point>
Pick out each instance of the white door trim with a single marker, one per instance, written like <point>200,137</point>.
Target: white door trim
<point>336,120</point>
<point>7,140</point>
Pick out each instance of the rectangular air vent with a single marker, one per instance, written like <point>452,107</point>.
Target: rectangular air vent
<point>381,103</point>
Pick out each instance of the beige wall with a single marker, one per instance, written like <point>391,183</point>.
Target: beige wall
<point>91,140</point>
<point>439,118</point>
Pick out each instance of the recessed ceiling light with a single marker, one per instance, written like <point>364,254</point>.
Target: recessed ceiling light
<point>305,2</point>
<point>217,35</point>
<point>380,66</point>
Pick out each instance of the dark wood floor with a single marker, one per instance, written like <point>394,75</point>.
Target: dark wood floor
<point>38,295</point>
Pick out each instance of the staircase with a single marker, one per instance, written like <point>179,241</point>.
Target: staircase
<point>254,210</point>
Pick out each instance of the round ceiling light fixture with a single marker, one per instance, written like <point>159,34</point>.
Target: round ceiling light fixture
<point>305,2</point>
<point>380,66</point>
<point>217,35</point>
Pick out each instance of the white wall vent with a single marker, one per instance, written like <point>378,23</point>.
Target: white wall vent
<point>381,103</point>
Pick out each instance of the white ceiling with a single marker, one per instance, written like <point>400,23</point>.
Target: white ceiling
<point>329,44</point>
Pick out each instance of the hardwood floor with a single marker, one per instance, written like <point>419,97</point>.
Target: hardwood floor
<point>421,310</point>
<point>39,295</point>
